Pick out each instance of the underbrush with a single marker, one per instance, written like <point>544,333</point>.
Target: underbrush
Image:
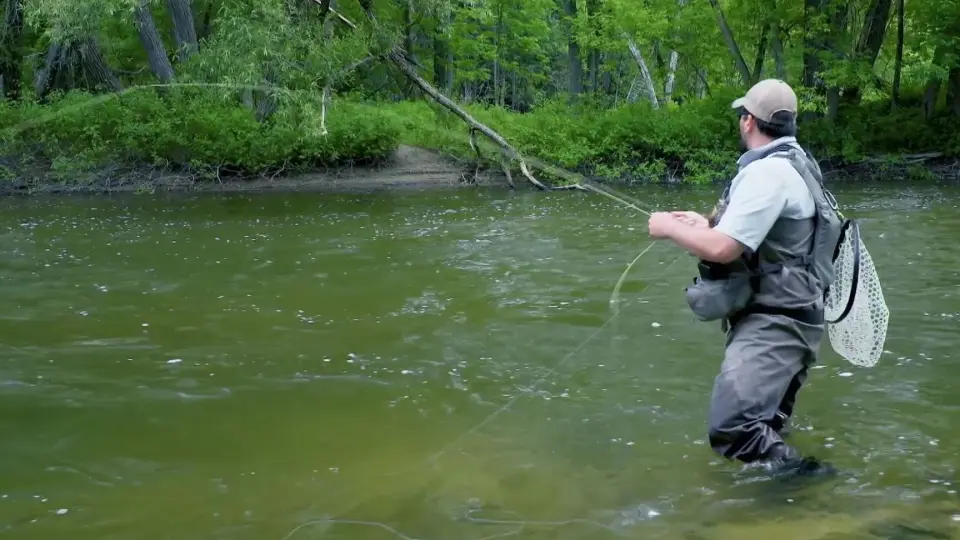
<point>80,138</point>
<point>695,142</point>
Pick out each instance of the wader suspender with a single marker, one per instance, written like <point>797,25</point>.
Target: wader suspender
<point>758,269</point>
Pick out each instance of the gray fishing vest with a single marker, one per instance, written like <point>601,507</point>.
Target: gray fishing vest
<point>790,270</point>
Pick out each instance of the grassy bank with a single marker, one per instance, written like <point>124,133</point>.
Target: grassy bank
<point>86,141</point>
<point>696,142</point>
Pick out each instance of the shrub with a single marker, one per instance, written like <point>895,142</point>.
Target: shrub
<point>201,131</point>
<point>193,130</point>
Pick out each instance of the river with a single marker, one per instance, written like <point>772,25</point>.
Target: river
<point>437,366</point>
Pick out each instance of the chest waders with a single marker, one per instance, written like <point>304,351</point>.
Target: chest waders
<point>770,302</point>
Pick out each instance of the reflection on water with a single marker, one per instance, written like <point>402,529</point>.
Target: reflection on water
<point>435,366</point>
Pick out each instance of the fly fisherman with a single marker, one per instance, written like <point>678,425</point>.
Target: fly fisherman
<point>766,257</point>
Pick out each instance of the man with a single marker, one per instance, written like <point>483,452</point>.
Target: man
<point>774,228</point>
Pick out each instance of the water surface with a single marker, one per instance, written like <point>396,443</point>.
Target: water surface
<point>438,366</point>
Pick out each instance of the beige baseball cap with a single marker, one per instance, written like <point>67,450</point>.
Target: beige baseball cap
<point>767,98</point>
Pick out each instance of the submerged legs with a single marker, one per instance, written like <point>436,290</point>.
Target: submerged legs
<point>765,364</point>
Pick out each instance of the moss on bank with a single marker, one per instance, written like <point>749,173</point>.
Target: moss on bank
<point>82,140</point>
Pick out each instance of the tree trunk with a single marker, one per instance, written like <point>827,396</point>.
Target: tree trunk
<point>326,100</point>
<point>732,45</point>
<point>75,65</point>
<point>206,26</point>
<point>898,63</point>
<point>874,30</point>
<point>953,91</point>
<point>595,71</point>
<point>11,49</point>
<point>672,66</point>
<point>657,56</point>
<point>702,87</point>
<point>594,54</point>
<point>871,39</point>
<point>932,92</point>
<point>184,31</point>
<point>645,78</point>
<point>152,43</point>
<point>836,10</point>
<point>497,82</point>
<point>443,56</point>
<point>267,104</point>
<point>761,53</point>
<point>575,85</point>
<point>781,65</point>
<point>812,44</point>
<point>833,102</point>
<point>634,90</point>
<point>409,33</point>
<point>671,76</point>
<point>606,80</point>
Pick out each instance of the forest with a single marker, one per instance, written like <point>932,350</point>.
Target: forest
<point>625,90</point>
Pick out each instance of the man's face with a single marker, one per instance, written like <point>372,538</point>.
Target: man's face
<point>747,125</point>
<point>743,134</point>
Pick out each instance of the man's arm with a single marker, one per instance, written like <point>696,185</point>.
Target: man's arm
<point>754,206</point>
<point>705,243</point>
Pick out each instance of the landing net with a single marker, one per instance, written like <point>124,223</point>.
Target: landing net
<point>855,309</point>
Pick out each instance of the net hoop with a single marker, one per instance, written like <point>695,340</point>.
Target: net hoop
<point>856,319</point>
<point>848,227</point>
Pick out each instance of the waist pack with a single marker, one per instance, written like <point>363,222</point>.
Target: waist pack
<point>718,293</point>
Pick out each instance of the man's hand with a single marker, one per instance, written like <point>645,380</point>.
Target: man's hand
<point>661,224</point>
<point>691,218</point>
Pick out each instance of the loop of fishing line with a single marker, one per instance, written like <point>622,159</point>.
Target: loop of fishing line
<point>385,527</point>
<point>615,296</point>
<point>519,525</point>
<point>550,371</point>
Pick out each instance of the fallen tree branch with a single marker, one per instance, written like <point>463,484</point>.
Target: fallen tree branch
<point>507,152</point>
<point>476,170</point>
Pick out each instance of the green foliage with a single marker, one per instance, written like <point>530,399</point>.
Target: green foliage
<point>193,130</point>
<point>498,58</point>
<point>697,142</point>
<point>206,133</point>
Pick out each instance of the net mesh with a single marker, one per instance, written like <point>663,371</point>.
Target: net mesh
<point>859,337</point>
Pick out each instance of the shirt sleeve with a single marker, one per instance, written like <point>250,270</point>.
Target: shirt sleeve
<point>755,204</point>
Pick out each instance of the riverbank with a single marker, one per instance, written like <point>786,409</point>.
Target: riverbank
<point>193,140</point>
<point>413,168</point>
<point>406,168</point>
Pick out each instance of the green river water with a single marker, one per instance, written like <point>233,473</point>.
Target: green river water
<point>437,366</point>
